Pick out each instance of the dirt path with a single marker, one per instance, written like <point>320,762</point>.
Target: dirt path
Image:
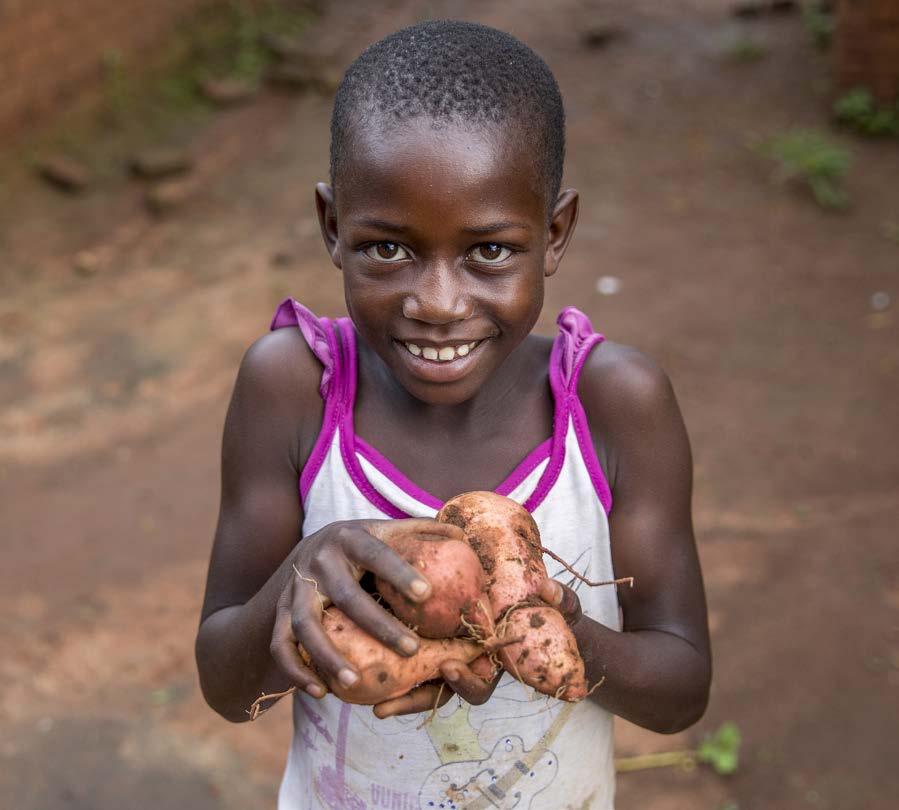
<point>113,389</point>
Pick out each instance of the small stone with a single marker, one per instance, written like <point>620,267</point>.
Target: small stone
<point>608,285</point>
<point>756,8</point>
<point>228,92</point>
<point>64,173</point>
<point>783,6</point>
<point>600,36</point>
<point>282,259</point>
<point>880,301</point>
<point>86,263</point>
<point>749,8</point>
<point>154,163</point>
<point>170,195</point>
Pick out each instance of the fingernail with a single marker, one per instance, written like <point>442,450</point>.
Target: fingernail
<point>408,645</point>
<point>347,677</point>
<point>451,675</point>
<point>557,594</point>
<point>315,690</point>
<point>419,587</point>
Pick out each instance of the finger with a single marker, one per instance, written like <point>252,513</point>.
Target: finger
<point>551,592</point>
<point>570,606</point>
<point>306,627</point>
<point>562,598</point>
<point>365,611</point>
<point>373,554</point>
<point>466,684</point>
<point>425,698</point>
<point>427,527</point>
<point>287,657</point>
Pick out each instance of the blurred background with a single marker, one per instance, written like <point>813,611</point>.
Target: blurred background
<point>739,173</point>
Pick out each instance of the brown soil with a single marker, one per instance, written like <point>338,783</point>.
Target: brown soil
<point>113,389</point>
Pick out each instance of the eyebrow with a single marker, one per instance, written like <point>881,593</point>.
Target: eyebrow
<point>497,226</point>
<point>380,224</point>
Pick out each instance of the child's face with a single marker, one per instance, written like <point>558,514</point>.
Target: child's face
<point>443,240</point>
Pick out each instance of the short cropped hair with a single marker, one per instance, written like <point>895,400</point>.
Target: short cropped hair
<point>457,73</point>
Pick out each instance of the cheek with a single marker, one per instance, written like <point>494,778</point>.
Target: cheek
<point>523,301</point>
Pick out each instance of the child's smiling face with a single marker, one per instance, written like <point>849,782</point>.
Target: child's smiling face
<point>443,239</point>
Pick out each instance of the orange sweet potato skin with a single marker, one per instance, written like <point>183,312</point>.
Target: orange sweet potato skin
<point>548,659</point>
<point>458,584</point>
<point>383,674</point>
<point>506,539</point>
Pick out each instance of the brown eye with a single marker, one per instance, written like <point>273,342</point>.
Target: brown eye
<point>386,252</point>
<point>490,253</point>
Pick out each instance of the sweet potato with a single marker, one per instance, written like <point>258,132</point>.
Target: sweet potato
<point>506,539</point>
<point>458,587</point>
<point>383,674</point>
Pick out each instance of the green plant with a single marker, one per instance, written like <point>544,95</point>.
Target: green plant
<point>810,158</point>
<point>118,92</point>
<point>234,46</point>
<point>859,110</point>
<point>820,22</point>
<point>719,750</point>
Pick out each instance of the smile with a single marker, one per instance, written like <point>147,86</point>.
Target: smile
<point>441,354</point>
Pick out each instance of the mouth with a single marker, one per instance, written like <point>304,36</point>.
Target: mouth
<point>445,353</point>
<point>439,362</point>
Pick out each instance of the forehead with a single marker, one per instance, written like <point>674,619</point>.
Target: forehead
<point>445,171</point>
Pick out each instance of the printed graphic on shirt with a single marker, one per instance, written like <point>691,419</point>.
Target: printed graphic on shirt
<point>460,784</point>
<point>330,783</point>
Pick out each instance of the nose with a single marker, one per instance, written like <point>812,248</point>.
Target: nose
<point>439,297</point>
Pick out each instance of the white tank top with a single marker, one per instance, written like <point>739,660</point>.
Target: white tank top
<point>521,749</point>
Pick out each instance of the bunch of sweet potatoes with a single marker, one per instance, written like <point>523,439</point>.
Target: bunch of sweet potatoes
<point>484,610</point>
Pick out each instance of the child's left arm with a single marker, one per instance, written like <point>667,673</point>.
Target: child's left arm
<point>658,671</point>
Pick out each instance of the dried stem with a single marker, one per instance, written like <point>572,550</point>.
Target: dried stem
<point>667,759</point>
<point>318,593</point>
<point>256,708</point>
<point>433,713</point>
<point>623,581</point>
<point>595,686</point>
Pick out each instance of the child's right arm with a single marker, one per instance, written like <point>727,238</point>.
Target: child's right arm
<point>272,423</point>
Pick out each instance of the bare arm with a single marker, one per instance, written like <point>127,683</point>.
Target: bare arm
<point>264,586</point>
<point>259,520</point>
<point>658,671</point>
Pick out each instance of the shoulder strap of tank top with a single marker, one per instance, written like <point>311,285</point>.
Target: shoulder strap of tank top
<point>321,337</point>
<point>573,344</point>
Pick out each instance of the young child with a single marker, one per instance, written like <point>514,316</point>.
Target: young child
<point>444,215</point>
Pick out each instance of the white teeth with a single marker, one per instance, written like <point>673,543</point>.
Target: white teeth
<point>444,354</point>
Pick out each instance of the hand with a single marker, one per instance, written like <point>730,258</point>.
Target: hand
<point>327,568</point>
<point>474,684</point>
<point>563,599</point>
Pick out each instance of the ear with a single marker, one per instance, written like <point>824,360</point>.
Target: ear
<point>561,228</point>
<point>327,220</point>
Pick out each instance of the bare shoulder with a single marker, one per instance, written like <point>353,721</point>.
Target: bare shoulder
<point>278,382</point>
<point>621,381</point>
<point>630,406</point>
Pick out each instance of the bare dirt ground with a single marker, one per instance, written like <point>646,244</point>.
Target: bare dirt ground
<point>113,389</point>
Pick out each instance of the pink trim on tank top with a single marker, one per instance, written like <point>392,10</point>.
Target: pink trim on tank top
<point>338,389</point>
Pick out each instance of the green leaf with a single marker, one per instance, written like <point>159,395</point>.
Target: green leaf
<point>721,749</point>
